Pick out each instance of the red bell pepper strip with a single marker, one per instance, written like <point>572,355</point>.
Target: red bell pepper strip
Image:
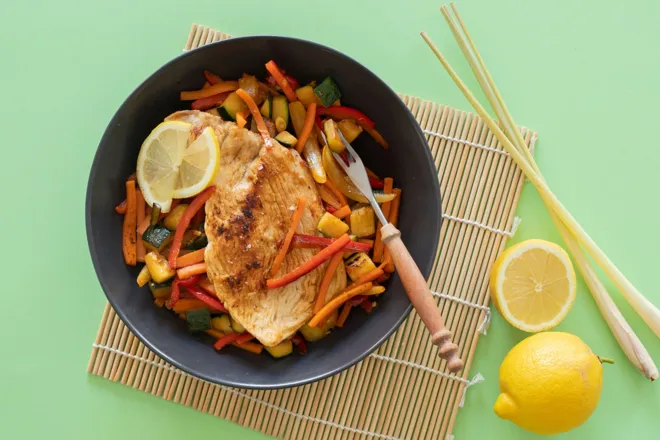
<point>226,340</point>
<point>318,122</point>
<point>192,281</point>
<point>206,299</point>
<point>291,80</point>
<point>175,294</point>
<point>322,256</point>
<point>209,102</point>
<point>340,112</point>
<point>282,81</point>
<point>330,209</point>
<point>187,216</point>
<point>367,305</point>
<point>212,78</point>
<point>310,241</point>
<point>299,342</point>
<point>376,183</point>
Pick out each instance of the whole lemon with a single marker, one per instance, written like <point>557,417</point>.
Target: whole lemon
<point>550,383</point>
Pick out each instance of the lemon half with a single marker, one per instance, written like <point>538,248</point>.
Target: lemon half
<point>171,166</point>
<point>533,285</point>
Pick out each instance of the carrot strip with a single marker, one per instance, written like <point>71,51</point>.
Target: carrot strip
<point>215,89</point>
<point>311,264</point>
<point>217,334</point>
<point>327,278</point>
<point>140,209</point>
<point>241,118</point>
<point>209,287</point>
<point>367,277</point>
<point>187,304</point>
<point>281,81</point>
<point>225,340</point>
<point>314,241</point>
<point>394,219</point>
<point>341,197</point>
<point>378,244</point>
<point>256,114</point>
<point>342,212</point>
<point>209,101</point>
<point>143,225</point>
<point>212,78</point>
<point>252,347</point>
<point>377,136</point>
<point>295,221</point>
<point>160,302</point>
<point>307,128</point>
<point>336,302</point>
<point>191,258</point>
<point>343,316</point>
<point>188,271</point>
<point>187,216</point>
<point>245,337</point>
<point>129,234</point>
<point>121,208</point>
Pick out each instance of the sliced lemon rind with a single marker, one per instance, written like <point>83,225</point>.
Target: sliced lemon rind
<point>515,252</point>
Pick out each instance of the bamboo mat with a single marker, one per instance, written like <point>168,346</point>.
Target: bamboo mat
<point>401,391</point>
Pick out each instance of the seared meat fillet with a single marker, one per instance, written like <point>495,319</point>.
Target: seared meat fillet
<point>257,188</point>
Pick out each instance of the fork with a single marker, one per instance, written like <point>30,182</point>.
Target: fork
<point>411,277</point>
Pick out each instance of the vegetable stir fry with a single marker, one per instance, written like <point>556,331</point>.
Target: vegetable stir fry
<point>166,232</point>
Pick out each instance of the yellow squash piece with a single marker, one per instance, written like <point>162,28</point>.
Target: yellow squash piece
<point>222,323</point>
<point>172,219</point>
<point>158,266</point>
<point>332,135</point>
<point>331,226</point>
<point>349,129</point>
<point>359,264</point>
<point>282,349</point>
<point>363,221</point>
<point>313,334</point>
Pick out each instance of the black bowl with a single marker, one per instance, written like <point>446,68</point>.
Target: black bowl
<point>408,160</point>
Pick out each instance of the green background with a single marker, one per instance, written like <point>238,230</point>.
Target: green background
<point>584,74</point>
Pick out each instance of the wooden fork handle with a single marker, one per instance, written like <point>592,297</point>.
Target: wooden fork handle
<point>421,297</point>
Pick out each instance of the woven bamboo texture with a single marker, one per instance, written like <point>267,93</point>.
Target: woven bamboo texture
<point>401,391</point>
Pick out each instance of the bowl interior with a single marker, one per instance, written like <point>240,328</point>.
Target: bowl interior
<point>407,160</point>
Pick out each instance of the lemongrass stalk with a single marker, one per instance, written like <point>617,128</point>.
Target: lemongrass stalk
<point>649,313</point>
<point>623,333</point>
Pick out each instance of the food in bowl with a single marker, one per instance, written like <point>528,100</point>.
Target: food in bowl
<point>248,228</point>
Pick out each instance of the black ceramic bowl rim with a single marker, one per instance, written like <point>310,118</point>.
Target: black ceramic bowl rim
<point>433,235</point>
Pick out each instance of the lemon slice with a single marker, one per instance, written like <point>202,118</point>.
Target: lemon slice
<point>169,166</point>
<point>533,285</point>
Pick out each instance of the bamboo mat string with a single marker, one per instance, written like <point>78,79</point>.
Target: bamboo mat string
<point>401,391</point>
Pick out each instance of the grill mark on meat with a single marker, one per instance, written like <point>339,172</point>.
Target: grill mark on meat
<point>253,265</point>
<point>252,201</point>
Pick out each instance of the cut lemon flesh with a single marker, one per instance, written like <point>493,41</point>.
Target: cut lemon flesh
<point>170,166</point>
<point>533,285</point>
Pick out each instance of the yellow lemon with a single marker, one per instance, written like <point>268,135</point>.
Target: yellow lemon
<point>550,383</point>
<point>533,285</point>
<point>172,165</point>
